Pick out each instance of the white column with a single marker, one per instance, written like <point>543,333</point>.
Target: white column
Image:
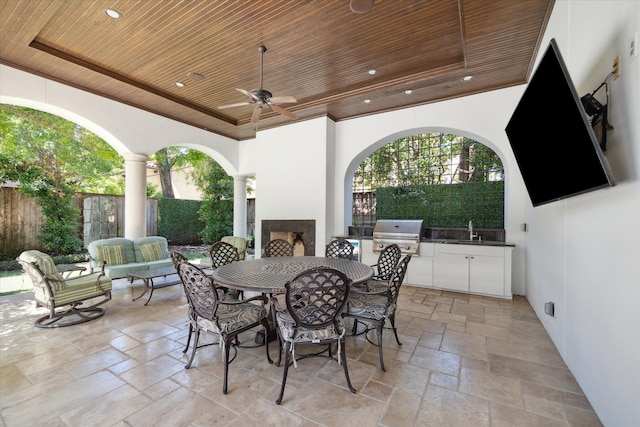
<point>240,205</point>
<point>135,195</point>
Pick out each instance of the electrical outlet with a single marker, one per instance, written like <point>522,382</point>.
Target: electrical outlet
<point>633,47</point>
<point>616,67</point>
<point>550,309</point>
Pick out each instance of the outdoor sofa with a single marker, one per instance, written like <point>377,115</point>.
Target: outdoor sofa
<point>118,256</point>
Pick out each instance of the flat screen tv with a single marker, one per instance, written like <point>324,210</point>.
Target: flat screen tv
<point>552,139</point>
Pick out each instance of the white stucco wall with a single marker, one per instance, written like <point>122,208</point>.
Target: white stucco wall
<point>469,116</point>
<point>126,129</point>
<point>580,253</point>
<point>291,172</point>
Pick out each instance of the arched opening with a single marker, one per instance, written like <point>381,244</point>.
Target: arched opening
<point>444,179</point>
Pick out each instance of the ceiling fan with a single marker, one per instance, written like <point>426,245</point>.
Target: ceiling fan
<point>263,98</point>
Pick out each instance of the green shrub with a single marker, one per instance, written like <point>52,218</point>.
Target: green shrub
<point>218,217</point>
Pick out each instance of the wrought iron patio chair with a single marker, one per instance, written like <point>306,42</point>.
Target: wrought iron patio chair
<point>224,318</point>
<point>374,309</point>
<point>277,248</point>
<point>77,297</point>
<point>384,268</point>
<point>339,248</point>
<point>177,258</point>
<point>239,242</point>
<point>223,253</point>
<point>315,300</point>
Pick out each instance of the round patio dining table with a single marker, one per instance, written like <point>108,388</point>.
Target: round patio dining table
<point>269,275</point>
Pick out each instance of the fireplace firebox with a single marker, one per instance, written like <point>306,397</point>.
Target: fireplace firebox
<point>301,233</point>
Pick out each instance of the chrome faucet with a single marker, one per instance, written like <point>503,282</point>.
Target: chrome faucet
<point>471,235</point>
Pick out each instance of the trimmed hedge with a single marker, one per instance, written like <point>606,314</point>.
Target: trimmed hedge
<point>179,222</point>
<point>449,205</point>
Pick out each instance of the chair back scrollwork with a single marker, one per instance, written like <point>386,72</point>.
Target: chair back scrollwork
<point>278,248</point>
<point>339,248</point>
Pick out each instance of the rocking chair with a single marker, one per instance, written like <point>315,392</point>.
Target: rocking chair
<point>53,291</point>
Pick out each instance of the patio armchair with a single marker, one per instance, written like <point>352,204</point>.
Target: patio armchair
<point>373,309</point>
<point>315,301</point>
<point>226,319</point>
<point>69,300</point>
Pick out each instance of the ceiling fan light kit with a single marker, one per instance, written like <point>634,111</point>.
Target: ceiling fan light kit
<point>262,97</point>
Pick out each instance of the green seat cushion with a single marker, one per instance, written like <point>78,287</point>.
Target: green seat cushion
<point>78,288</point>
<point>152,251</point>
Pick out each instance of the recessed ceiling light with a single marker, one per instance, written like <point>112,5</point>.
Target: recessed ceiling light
<point>112,13</point>
<point>367,101</point>
<point>467,78</point>
<point>180,84</point>
<point>371,72</point>
<point>408,92</point>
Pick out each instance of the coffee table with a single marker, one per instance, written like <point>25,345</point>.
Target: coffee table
<point>147,277</point>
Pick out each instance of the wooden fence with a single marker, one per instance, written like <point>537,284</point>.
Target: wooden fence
<point>103,216</point>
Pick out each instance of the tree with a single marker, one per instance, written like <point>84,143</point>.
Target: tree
<point>53,158</point>
<point>169,158</point>
<point>28,136</point>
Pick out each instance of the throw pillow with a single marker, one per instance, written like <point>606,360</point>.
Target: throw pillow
<point>112,254</point>
<point>152,251</point>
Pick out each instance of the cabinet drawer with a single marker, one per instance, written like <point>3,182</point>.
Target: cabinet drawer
<point>470,249</point>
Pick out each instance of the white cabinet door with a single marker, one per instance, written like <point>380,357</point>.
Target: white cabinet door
<point>476,269</point>
<point>486,275</point>
<point>452,271</point>
<point>420,271</point>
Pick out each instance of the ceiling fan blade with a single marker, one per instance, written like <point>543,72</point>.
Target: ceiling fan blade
<point>287,114</point>
<point>237,104</point>
<point>249,94</point>
<point>256,114</point>
<point>282,100</point>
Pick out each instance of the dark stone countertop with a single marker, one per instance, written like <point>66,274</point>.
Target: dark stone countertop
<point>447,241</point>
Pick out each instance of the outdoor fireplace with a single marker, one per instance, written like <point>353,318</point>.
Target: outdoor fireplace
<point>301,233</point>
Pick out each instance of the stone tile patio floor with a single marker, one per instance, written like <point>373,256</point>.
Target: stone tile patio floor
<point>465,361</point>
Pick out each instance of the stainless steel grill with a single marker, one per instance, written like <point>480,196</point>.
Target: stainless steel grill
<point>403,232</point>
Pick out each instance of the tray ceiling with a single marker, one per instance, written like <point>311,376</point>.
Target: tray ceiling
<point>319,52</point>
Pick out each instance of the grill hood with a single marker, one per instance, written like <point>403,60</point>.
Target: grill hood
<point>403,232</point>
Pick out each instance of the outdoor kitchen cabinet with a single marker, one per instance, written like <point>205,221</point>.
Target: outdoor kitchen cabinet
<point>470,268</point>
<point>475,269</point>
<point>420,269</point>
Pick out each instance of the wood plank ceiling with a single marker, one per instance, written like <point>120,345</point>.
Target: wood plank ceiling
<point>318,51</point>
